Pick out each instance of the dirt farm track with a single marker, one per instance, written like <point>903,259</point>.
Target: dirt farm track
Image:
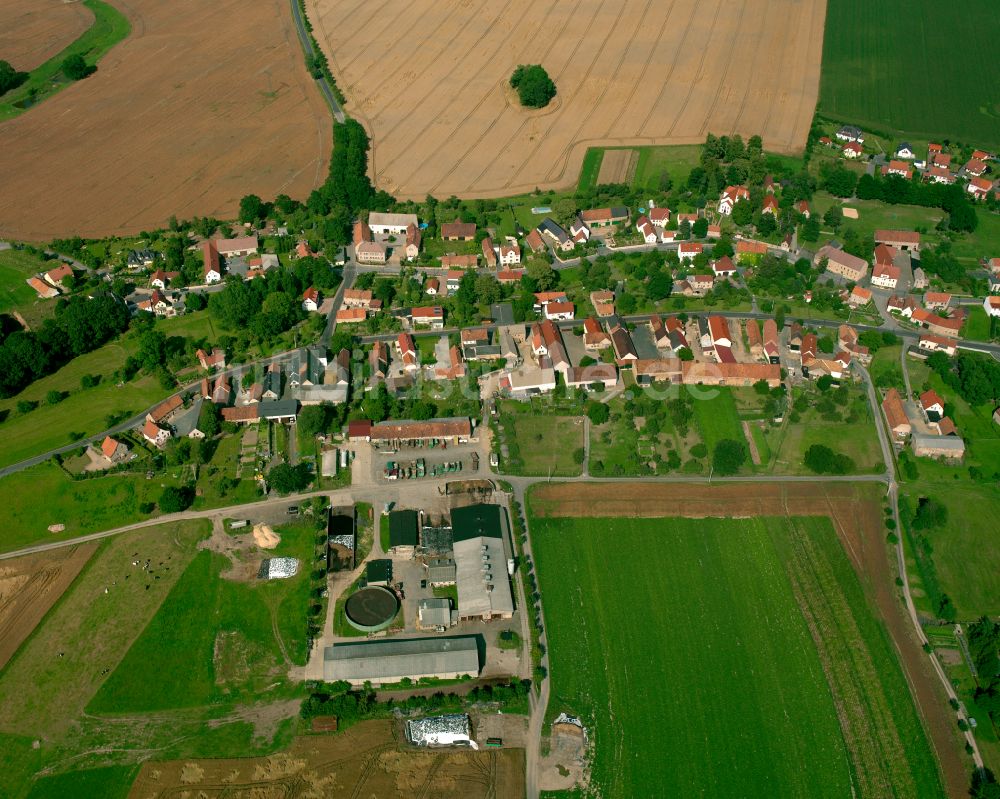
<point>428,78</point>
<point>203,103</point>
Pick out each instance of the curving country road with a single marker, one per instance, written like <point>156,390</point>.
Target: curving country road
<point>305,39</point>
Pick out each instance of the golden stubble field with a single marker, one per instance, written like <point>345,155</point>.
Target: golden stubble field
<point>32,31</point>
<point>428,79</point>
<point>202,104</point>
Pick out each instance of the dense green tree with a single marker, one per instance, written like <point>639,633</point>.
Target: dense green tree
<point>313,420</point>
<point>534,86</point>
<point>598,412</point>
<point>728,456</point>
<point>823,460</point>
<point>251,209</point>
<point>286,479</point>
<point>930,514</point>
<point>742,213</point>
<point>75,68</point>
<point>174,500</point>
<point>10,78</point>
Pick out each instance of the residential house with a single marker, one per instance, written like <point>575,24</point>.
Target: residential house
<point>241,414</point>
<point>794,336</point>
<point>624,348</point>
<point>659,216</point>
<point>528,381</point>
<point>932,343</point>
<point>905,240</point>
<point>700,284</point>
<point>271,387</point>
<point>455,367</point>
<point>852,150</point>
<point>453,279</point>
<point>310,299</point>
<point>885,276</point>
<point>510,254</point>
<point>579,231</point>
<point>414,238</point>
<point>357,298</point>
<point>543,298</point>
<point>585,377</point>
<point>900,168</point>
<point>158,303</point>
<point>647,230</point>
<point>378,362</point>
<point>939,174</point>
<point>603,302</point>
<point>932,405</point>
<point>950,448</point>
<point>556,235</point>
<point>489,254</point>
<point>905,151</point>
<point>895,415</point>
<point>302,250</point>
<point>42,289</point>
<point>432,316</point>
<point>559,310</point>
<point>458,231</point>
<point>161,279</point>
<point>770,205</point>
<point>904,306</point>
<point>211,271</point>
<point>534,241</point>
<point>141,259</point>
<point>594,337</point>
<point>407,352</point>
<point>729,374</point>
<point>848,266</point>
<point>216,359</point>
<point>919,279</point>
<point>772,353</point>
<point>802,207</point>
<point>718,328</point>
<point>974,167</point>
<point>220,390</point>
<point>942,160</point>
<point>114,450</point>
<point>850,133</point>
<point>723,267</point>
<point>432,286</point>
<point>755,344</point>
<point>283,411</point>
<point>688,250</point>
<point>366,249</point>
<point>155,434</point>
<point>730,196</point>
<point>992,305</point>
<point>351,316</point>
<point>980,188</point>
<point>508,277</point>
<point>859,297</point>
<point>937,300</point>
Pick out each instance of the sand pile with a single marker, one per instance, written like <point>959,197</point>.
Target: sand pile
<point>265,537</point>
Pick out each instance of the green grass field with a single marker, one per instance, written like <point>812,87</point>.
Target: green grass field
<point>220,639</point>
<point>110,27</point>
<point>721,683</point>
<point>546,443</point>
<point>16,266</point>
<point>716,416</point>
<point>977,325</point>
<point>934,75</point>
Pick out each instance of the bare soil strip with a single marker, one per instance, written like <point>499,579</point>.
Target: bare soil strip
<point>202,104</point>
<point>428,82</point>
<point>856,512</point>
<point>617,166</point>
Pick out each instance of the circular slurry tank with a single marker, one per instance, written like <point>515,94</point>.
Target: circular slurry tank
<point>371,608</point>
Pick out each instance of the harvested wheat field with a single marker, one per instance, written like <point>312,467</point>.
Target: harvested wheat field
<point>857,515</point>
<point>365,760</point>
<point>32,31</point>
<point>429,81</point>
<point>202,104</point>
<point>29,586</point>
<point>618,166</point>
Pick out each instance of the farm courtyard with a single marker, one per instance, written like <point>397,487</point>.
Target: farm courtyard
<point>174,122</point>
<point>430,83</point>
<point>751,640</point>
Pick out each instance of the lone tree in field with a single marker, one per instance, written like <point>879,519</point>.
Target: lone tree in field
<point>728,456</point>
<point>533,84</point>
<point>75,68</point>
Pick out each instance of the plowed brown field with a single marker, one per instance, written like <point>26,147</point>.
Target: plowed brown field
<point>32,31</point>
<point>29,586</point>
<point>856,512</point>
<point>364,761</point>
<point>428,79</point>
<point>202,104</point>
